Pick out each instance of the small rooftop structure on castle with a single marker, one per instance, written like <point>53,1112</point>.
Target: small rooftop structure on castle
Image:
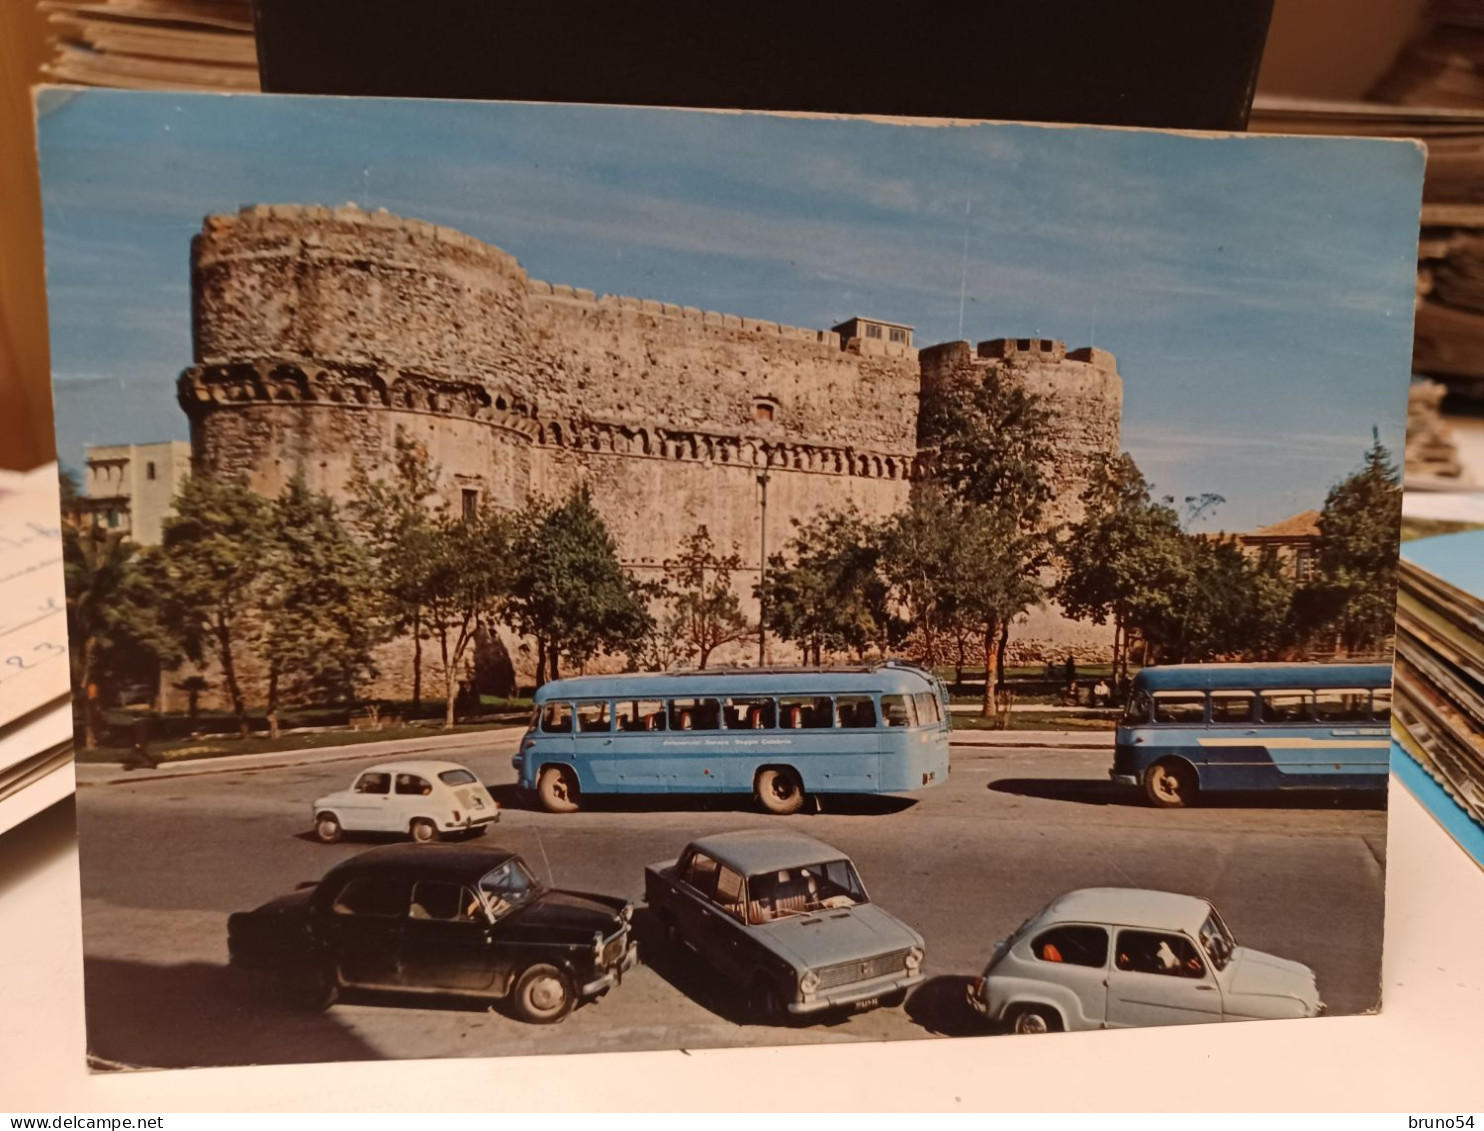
<point>874,330</point>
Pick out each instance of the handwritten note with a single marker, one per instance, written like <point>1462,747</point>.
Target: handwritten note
<point>33,613</point>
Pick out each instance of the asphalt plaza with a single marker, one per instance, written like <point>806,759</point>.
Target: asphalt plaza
<point>167,855</point>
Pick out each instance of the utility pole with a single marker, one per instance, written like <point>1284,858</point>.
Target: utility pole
<point>762,595</point>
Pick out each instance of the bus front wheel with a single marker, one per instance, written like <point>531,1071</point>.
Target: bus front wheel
<point>556,786</point>
<point>1169,784</point>
<point>780,791</point>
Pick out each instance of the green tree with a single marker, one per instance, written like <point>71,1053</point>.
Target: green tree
<point>1126,560</point>
<point>825,592</point>
<point>568,589</point>
<point>992,577</point>
<point>468,578</point>
<point>703,606</point>
<point>917,552</point>
<point>1354,592</point>
<point>116,619</point>
<point>989,440</point>
<point>216,561</point>
<point>319,612</point>
<point>396,516</point>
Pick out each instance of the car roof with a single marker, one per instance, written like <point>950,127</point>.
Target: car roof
<point>1129,907</point>
<point>766,850</point>
<point>1261,677</point>
<point>888,676</point>
<point>429,769</point>
<point>455,862</point>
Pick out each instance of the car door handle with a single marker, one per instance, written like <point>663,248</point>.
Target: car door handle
<point>607,742</point>
<point>1206,989</point>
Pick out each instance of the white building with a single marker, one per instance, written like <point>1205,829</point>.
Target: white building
<point>130,487</point>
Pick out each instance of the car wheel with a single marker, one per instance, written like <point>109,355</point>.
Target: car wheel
<point>557,788</point>
<point>765,1003</point>
<point>894,1000</point>
<point>327,828</point>
<point>1035,1019</point>
<point>1169,784</point>
<point>316,986</point>
<point>544,995</point>
<point>423,831</point>
<point>780,791</point>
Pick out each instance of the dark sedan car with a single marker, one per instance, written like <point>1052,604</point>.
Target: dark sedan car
<point>445,919</point>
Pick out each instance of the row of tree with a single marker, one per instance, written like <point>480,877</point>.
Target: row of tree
<point>306,590</point>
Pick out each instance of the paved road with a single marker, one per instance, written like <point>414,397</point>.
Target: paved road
<point>164,861</point>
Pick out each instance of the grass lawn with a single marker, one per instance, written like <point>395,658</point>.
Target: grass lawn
<point>220,746</point>
<point>1040,720</point>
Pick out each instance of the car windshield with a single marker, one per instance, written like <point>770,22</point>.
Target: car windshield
<point>804,890</point>
<point>1217,940</point>
<point>509,885</point>
<point>1137,710</point>
<point>457,777</point>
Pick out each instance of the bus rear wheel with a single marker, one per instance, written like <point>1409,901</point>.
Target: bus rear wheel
<point>779,791</point>
<point>1169,784</point>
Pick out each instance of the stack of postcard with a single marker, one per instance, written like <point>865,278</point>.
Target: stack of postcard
<point>155,44</point>
<point>1440,676</point>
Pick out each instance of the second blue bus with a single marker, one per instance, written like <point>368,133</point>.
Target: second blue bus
<point>1202,728</point>
<point>780,734</point>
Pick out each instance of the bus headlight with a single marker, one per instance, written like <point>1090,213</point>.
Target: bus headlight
<point>913,959</point>
<point>809,982</point>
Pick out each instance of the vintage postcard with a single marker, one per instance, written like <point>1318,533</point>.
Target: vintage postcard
<point>553,579</point>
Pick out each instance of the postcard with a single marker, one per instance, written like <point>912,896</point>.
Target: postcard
<point>551,579</point>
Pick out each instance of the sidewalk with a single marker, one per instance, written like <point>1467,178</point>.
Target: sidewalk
<point>1044,708</point>
<point>1035,739</point>
<point>112,773</point>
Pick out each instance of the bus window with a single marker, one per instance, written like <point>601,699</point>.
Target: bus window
<point>749,714</point>
<point>1138,708</point>
<point>1187,707</point>
<point>593,716</point>
<point>640,714</point>
<point>1285,707</point>
<point>557,718</point>
<point>855,711</point>
<point>1232,706</point>
<point>807,711</point>
<point>899,710</point>
<point>928,713</point>
<point>1343,706</point>
<point>695,714</point>
<point>1381,705</point>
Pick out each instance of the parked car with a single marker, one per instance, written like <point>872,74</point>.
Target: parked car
<point>447,919</point>
<point>425,800</point>
<point>1108,958</point>
<point>786,920</point>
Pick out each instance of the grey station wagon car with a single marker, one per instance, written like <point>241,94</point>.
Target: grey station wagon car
<point>786,919</point>
<point>1107,958</point>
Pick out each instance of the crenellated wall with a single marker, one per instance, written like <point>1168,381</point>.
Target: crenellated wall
<point>319,333</point>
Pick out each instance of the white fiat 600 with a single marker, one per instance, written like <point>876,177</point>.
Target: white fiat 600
<point>1107,958</point>
<point>424,800</point>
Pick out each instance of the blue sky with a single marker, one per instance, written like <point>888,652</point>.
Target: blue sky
<point>1257,292</point>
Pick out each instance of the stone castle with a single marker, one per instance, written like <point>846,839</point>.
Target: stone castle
<point>319,333</point>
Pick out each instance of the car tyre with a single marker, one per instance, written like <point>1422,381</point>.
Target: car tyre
<point>543,995</point>
<point>556,786</point>
<point>327,828</point>
<point>764,1003</point>
<point>779,791</point>
<point>1035,1019</point>
<point>1170,784</point>
<point>316,986</point>
<point>423,831</point>
<point>894,1000</point>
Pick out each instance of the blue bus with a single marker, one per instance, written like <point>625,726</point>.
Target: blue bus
<point>780,734</point>
<point>1195,728</point>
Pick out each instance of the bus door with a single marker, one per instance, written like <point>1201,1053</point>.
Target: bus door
<point>592,741</point>
<point>637,749</point>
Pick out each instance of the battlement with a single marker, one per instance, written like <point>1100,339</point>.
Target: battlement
<point>1043,351</point>
<point>560,292</point>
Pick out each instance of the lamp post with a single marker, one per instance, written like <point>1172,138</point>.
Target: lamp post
<point>762,590</point>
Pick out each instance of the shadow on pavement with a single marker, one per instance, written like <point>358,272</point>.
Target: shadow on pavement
<point>940,1006</point>
<point>691,975</point>
<point>841,804</point>
<point>200,1015</point>
<point>1085,792</point>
